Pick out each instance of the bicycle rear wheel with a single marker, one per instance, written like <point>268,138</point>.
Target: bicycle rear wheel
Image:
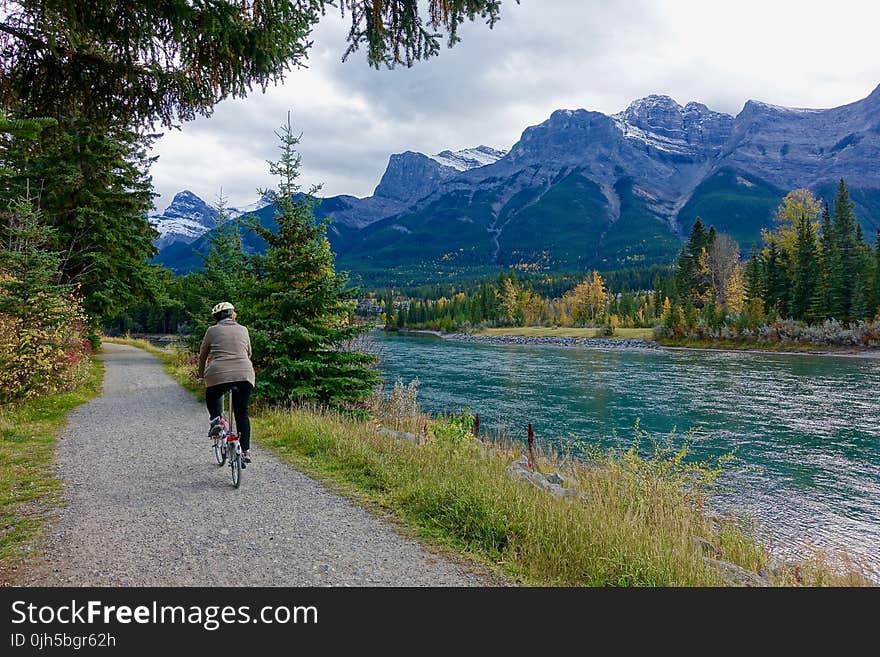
<point>219,451</point>
<point>235,465</point>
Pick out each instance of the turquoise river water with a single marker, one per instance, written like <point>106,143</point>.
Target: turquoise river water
<point>806,429</point>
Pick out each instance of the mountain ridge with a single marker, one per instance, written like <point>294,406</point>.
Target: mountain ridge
<point>583,189</point>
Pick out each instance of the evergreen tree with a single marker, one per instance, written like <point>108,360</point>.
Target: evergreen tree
<point>134,63</point>
<point>226,275</point>
<point>302,323</point>
<point>754,281</point>
<point>40,318</point>
<point>843,275</point>
<point>828,255</point>
<point>805,279</point>
<point>775,282</point>
<point>692,279</point>
<point>95,193</point>
<point>875,298</point>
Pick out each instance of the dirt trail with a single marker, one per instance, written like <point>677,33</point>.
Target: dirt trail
<point>148,506</point>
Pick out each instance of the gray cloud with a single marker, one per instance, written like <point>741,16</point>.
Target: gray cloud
<point>540,57</point>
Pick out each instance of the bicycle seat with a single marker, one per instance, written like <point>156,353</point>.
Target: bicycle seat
<point>233,389</point>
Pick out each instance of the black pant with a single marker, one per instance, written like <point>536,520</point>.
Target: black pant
<point>214,401</point>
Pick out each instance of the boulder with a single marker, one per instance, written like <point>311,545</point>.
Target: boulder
<point>733,575</point>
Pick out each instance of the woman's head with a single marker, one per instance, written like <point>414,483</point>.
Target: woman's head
<point>223,310</point>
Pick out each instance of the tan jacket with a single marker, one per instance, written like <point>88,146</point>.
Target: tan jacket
<point>228,344</point>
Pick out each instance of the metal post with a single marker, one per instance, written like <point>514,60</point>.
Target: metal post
<point>531,448</point>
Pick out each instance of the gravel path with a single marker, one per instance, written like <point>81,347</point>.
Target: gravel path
<point>131,520</point>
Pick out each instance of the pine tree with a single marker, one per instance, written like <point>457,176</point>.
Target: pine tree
<point>96,193</point>
<point>39,316</point>
<point>692,279</point>
<point>131,64</point>
<point>843,275</point>
<point>776,282</point>
<point>754,280</point>
<point>821,305</point>
<point>302,323</point>
<point>805,270</point>
<point>227,274</point>
<point>875,299</point>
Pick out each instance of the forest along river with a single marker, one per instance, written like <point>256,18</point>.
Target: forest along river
<point>806,429</point>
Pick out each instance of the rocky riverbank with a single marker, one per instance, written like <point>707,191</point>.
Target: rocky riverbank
<point>593,343</point>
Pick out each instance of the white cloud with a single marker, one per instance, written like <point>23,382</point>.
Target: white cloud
<point>541,56</point>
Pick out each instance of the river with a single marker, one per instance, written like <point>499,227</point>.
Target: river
<point>805,429</point>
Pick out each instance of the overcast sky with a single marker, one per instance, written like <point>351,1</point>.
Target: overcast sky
<point>543,55</point>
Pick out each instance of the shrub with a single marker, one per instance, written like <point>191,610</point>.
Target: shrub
<point>42,352</point>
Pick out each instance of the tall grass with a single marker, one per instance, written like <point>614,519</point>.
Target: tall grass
<point>626,530</point>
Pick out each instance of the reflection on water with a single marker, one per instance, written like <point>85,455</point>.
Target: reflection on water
<point>807,427</point>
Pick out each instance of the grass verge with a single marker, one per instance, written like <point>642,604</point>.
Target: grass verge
<point>621,533</point>
<point>28,484</point>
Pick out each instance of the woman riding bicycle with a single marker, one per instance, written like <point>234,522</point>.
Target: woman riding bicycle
<point>227,348</point>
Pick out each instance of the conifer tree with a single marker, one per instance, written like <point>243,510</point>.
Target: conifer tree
<point>302,324</point>
<point>820,307</point>
<point>96,193</point>
<point>754,283</point>
<point>135,63</point>
<point>692,279</point>
<point>775,281</point>
<point>805,270</point>
<point>875,299</point>
<point>226,275</point>
<point>844,271</point>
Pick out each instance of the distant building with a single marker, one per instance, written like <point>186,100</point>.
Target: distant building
<point>368,307</point>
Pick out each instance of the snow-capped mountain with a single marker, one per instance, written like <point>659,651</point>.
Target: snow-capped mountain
<point>660,122</point>
<point>184,220</point>
<point>188,217</point>
<point>584,189</point>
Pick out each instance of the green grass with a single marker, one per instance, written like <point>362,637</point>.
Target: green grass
<point>566,332</point>
<point>630,530</point>
<point>28,485</point>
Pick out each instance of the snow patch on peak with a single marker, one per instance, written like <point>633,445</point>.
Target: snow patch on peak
<point>234,213</point>
<point>759,104</point>
<point>651,103</point>
<point>660,142</point>
<point>468,158</point>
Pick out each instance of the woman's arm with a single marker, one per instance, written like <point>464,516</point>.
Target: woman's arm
<point>203,354</point>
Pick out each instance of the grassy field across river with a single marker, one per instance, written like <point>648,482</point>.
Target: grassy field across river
<point>567,332</point>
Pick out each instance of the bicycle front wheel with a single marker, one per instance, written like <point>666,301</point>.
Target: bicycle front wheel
<point>235,465</point>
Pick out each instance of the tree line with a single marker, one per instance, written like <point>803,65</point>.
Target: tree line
<point>85,88</point>
<point>812,266</point>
